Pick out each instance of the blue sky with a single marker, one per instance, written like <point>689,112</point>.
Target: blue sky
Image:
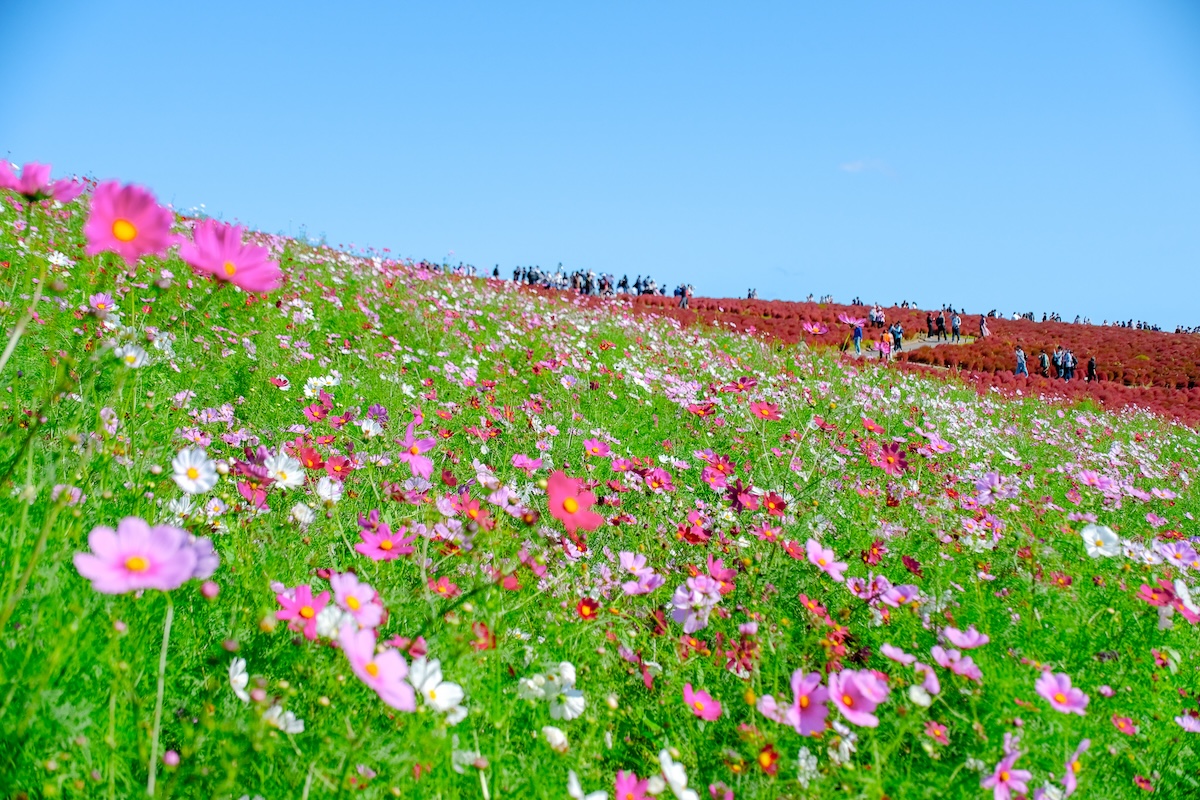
<point>1016,155</point>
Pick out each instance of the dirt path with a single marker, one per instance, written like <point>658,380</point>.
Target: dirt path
<point>916,343</point>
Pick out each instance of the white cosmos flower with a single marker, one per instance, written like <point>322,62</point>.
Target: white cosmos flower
<point>532,688</point>
<point>575,790</point>
<point>1185,596</point>
<point>370,427</point>
<point>215,507</point>
<point>193,471</point>
<point>676,777</point>
<point>425,675</point>
<point>132,356</point>
<point>303,515</point>
<point>918,695</point>
<point>555,738</point>
<point>181,508</point>
<point>287,472</point>
<point>331,619</point>
<point>239,678</point>
<point>1100,541</point>
<point>329,490</point>
<point>286,721</point>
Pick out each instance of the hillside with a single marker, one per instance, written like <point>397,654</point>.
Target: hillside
<point>372,529</point>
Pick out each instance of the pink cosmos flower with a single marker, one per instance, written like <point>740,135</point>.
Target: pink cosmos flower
<point>767,411</point>
<point>957,663</point>
<point>571,504</point>
<point>137,556</point>
<point>384,544</point>
<point>35,183</point>
<point>1062,696</point>
<point>384,672</point>
<point>1189,721</point>
<point>825,559</point>
<point>217,248</point>
<point>358,598</point>
<point>126,220</point>
<point>701,703</point>
<point>968,639</point>
<point>856,693</point>
<point>522,461</point>
<point>411,453</point>
<point>897,655</point>
<point>936,731</point>
<point>301,608</point>
<point>101,301</point>
<point>929,682</point>
<point>810,704</point>
<point>1072,767</point>
<point>1005,780</point>
<point>628,787</point>
<point>595,447</point>
<point>1124,725</point>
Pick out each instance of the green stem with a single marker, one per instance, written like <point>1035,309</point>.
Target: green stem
<point>38,549</point>
<point>152,768</point>
<point>17,331</point>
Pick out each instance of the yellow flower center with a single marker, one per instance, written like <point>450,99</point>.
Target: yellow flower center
<point>230,268</point>
<point>804,701</point>
<point>307,612</point>
<point>570,505</point>
<point>101,306</point>
<point>1060,697</point>
<point>416,451</point>
<point>386,544</point>
<point>123,230</point>
<point>764,759</point>
<point>1004,776</point>
<point>352,601</point>
<point>821,561</point>
<point>137,564</point>
<point>193,473</point>
<point>372,669</point>
<point>698,705</point>
<point>848,701</point>
<point>432,694</point>
<point>1075,767</point>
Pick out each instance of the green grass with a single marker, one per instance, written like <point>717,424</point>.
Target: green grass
<point>79,670</point>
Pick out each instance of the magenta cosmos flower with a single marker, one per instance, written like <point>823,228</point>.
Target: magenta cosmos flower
<point>595,447</point>
<point>384,671</point>
<point>137,556</point>
<point>856,693</point>
<point>217,248</point>
<point>301,608</point>
<point>1062,696</point>
<point>701,703</point>
<point>966,640</point>
<point>127,221</point>
<point>35,183</point>
<point>810,704</point>
<point>413,453</point>
<point>825,559</point>
<point>384,544</point>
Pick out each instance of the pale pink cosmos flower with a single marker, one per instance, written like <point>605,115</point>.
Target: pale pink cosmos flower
<point>136,556</point>
<point>128,221</point>
<point>301,609</point>
<point>522,461</point>
<point>217,248</point>
<point>968,639</point>
<point>383,672</point>
<point>1062,696</point>
<point>957,663</point>
<point>1005,780</point>
<point>856,693</point>
<point>358,598</point>
<point>701,703</point>
<point>1072,768</point>
<point>825,559</point>
<point>897,655</point>
<point>810,704</point>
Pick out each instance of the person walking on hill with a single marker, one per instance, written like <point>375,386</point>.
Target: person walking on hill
<point>983,328</point>
<point>1021,369</point>
<point>897,331</point>
<point>1044,364</point>
<point>858,337</point>
<point>1091,370</point>
<point>941,326</point>
<point>929,325</point>
<point>955,326</point>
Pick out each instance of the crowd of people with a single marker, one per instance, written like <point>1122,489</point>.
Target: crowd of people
<point>591,283</point>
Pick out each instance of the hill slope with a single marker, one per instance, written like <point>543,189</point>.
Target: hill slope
<point>471,541</point>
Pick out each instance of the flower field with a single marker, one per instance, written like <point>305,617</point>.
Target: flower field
<point>1136,368</point>
<point>287,522</point>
